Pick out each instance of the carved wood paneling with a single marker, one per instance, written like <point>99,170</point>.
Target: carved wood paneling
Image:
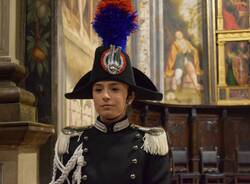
<point>206,132</point>
<point>236,134</point>
<point>134,116</point>
<point>178,130</point>
<point>226,127</point>
<point>152,119</point>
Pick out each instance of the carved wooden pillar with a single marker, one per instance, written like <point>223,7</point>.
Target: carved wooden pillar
<point>194,141</point>
<point>20,135</point>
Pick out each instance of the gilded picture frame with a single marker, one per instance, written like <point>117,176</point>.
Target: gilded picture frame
<point>232,37</point>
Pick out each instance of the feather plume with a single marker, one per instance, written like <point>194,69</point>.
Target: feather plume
<point>114,21</point>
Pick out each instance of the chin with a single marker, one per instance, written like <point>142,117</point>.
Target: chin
<point>108,116</point>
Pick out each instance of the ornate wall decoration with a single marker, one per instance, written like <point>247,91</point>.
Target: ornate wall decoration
<point>38,36</point>
<point>38,55</point>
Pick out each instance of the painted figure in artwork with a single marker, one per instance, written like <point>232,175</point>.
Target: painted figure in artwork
<point>235,14</point>
<point>183,66</point>
<point>237,60</point>
<point>184,53</point>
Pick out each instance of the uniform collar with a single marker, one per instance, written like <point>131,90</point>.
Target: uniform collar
<point>113,127</point>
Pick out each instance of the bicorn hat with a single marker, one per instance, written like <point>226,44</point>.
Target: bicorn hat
<point>114,21</point>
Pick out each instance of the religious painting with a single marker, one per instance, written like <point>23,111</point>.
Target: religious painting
<point>233,52</point>
<point>237,57</point>
<point>79,44</point>
<point>183,71</point>
<point>235,14</point>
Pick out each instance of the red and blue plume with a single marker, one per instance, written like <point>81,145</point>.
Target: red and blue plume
<point>114,21</point>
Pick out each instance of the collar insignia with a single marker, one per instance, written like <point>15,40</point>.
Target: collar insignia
<point>116,128</point>
<point>113,60</point>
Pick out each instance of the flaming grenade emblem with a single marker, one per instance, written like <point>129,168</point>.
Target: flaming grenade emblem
<point>113,60</point>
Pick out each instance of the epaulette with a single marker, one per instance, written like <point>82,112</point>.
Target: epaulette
<point>74,130</point>
<point>65,135</point>
<point>155,140</point>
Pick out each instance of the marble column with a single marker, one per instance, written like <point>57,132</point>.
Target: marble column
<point>149,40</point>
<point>142,43</point>
<point>157,44</point>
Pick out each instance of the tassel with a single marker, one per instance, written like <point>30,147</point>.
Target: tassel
<point>155,144</point>
<point>155,140</point>
<point>63,143</point>
<point>64,139</point>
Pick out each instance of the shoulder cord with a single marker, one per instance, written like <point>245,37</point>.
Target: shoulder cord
<point>77,176</point>
<point>69,166</point>
<point>57,164</point>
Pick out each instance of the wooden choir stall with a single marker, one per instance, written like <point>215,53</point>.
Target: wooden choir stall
<point>215,140</point>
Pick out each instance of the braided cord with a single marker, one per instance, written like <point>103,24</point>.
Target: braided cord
<point>69,166</point>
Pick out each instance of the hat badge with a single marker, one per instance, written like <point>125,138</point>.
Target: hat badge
<point>113,60</point>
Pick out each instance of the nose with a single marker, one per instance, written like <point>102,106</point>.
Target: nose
<point>106,95</point>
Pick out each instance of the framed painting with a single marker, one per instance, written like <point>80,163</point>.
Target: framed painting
<point>185,70</point>
<point>76,43</point>
<point>237,63</point>
<point>233,48</point>
<point>235,14</point>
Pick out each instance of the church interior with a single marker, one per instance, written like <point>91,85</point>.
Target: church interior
<point>197,52</point>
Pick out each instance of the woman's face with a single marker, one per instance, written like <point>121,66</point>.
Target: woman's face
<point>111,100</point>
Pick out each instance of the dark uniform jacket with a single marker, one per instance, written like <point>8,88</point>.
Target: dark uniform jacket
<point>115,155</point>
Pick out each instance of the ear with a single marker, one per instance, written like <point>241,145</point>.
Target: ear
<point>131,98</point>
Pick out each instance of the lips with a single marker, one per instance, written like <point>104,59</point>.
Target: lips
<point>106,105</point>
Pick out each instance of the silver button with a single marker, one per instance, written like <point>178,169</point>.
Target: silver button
<point>134,161</point>
<point>85,150</point>
<point>86,138</point>
<point>135,147</point>
<point>84,177</point>
<point>132,176</point>
<point>138,135</point>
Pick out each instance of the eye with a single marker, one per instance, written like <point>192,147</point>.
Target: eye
<point>97,89</point>
<point>115,89</point>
